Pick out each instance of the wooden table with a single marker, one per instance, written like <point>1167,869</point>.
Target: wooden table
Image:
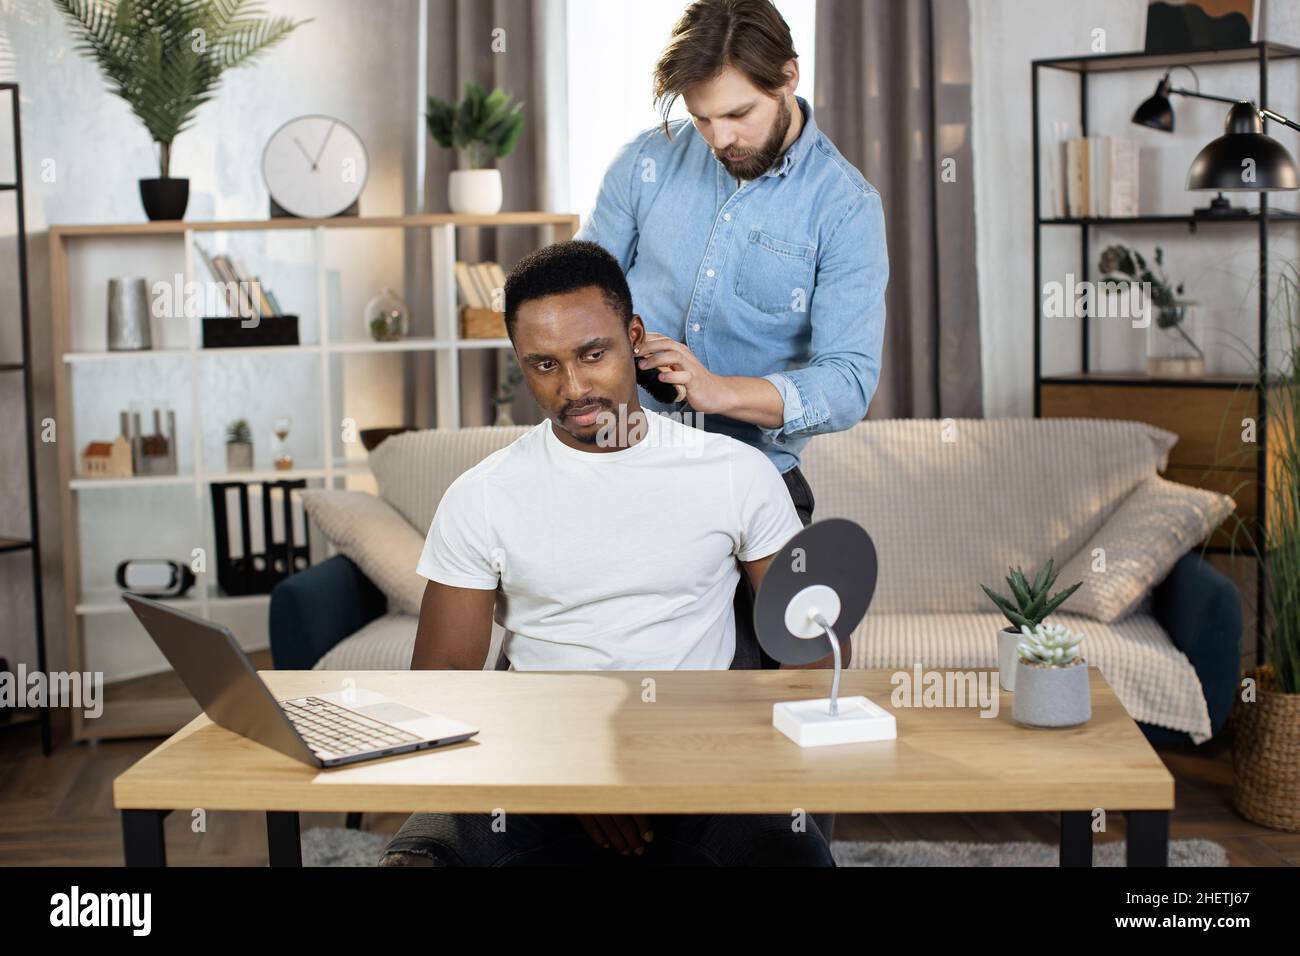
<point>664,742</point>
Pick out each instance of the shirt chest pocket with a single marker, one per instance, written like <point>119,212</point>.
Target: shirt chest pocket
<point>775,275</point>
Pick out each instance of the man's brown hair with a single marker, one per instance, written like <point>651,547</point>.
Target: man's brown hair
<point>750,35</point>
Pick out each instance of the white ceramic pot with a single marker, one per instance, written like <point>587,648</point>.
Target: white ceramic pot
<point>1052,696</point>
<point>475,191</point>
<point>1008,656</point>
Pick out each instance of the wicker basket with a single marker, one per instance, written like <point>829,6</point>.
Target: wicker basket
<point>1266,755</point>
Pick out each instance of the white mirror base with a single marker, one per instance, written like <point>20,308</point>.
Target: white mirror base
<point>809,722</point>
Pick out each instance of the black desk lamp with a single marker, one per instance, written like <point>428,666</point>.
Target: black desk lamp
<point>821,581</point>
<point>1221,166</point>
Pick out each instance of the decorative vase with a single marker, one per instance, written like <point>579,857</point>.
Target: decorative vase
<point>475,191</point>
<point>1266,755</point>
<point>128,315</point>
<point>1008,655</point>
<point>387,317</point>
<point>1048,696</point>
<point>165,198</point>
<point>239,456</point>
<point>1172,351</point>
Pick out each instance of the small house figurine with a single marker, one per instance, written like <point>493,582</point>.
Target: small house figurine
<point>103,459</point>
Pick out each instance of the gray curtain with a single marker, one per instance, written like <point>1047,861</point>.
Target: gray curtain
<point>460,49</point>
<point>893,94</point>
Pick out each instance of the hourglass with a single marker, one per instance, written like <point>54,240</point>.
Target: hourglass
<point>280,428</point>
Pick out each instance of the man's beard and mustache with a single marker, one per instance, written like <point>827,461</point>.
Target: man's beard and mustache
<point>754,163</point>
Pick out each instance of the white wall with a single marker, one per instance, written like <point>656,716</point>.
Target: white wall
<point>357,61</point>
<point>1219,265</point>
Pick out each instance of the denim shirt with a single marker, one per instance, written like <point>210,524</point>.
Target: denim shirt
<point>782,277</point>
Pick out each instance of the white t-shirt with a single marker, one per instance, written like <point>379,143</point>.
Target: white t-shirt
<point>621,560</point>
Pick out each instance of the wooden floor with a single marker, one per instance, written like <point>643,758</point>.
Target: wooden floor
<point>58,811</point>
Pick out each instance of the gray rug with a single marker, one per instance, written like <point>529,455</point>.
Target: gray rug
<point>337,846</point>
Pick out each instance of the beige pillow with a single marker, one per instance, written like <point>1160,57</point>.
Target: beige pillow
<point>370,532</point>
<point>1153,527</point>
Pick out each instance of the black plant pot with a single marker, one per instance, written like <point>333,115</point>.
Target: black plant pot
<point>165,198</point>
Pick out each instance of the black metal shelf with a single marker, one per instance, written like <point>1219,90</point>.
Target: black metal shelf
<point>1253,218</point>
<point>30,544</point>
<point>1261,217</point>
<point>1122,62</point>
<point>1150,381</point>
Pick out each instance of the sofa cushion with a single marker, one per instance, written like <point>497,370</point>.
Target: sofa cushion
<point>414,469</point>
<point>385,644</point>
<point>1154,681</point>
<point>951,505</point>
<point>377,539</point>
<point>1139,544</point>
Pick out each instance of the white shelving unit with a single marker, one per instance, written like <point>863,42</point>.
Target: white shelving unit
<point>145,717</point>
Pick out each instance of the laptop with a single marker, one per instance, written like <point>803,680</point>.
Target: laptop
<point>323,730</point>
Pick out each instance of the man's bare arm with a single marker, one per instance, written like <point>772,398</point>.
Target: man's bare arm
<point>756,570</point>
<point>455,631</point>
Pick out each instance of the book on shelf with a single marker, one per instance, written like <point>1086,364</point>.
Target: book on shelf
<point>469,294</point>
<point>488,284</point>
<point>1099,177</point>
<point>481,284</point>
<point>244,295</point>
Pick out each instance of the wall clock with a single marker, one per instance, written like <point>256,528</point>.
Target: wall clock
<point>315,167</point>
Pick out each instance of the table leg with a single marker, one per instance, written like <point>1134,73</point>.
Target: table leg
<point>1148,837</point>
<point>143,843</point>
<point>283,841</point>
<point>1076,838</point>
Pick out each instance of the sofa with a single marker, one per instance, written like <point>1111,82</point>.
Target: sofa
<point>950,505</point>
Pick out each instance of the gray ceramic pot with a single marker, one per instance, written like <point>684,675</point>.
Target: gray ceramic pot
<point>1008,656</point>
<point>1052,696</point>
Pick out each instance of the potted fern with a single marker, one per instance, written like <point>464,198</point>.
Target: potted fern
<point>1030,606</point>
<point>1051,678</point>
<point>165,59</point>
<point>482,128</point>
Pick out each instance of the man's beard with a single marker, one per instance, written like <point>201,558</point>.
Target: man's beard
<point>754,164</point>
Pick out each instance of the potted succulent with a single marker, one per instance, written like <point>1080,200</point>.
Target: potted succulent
<point>482,128</point>
<point>1171,350</point>
<point>1031,605</point>
<point>1051,678</point>
<point>239,446</point>
<point>165,58</point>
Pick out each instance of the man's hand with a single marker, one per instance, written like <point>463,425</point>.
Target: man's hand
<point>626,833</point>
<point>705,391</point>
<point>741,397</point>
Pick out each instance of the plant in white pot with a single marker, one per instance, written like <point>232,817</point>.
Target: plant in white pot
<point>165,59</point>
<point>482,128</point>
<point>1051,678</point>
<point>1031,605</point>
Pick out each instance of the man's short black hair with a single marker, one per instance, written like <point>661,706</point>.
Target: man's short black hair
<point>567,267</point>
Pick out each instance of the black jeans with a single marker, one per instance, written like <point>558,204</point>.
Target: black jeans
<point>749,655</point>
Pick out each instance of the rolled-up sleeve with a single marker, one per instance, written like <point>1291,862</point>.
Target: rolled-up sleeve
<point>847,316</point>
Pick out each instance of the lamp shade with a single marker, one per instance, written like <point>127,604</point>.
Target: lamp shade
<point>1156,111</point>
<point>1243,158</point>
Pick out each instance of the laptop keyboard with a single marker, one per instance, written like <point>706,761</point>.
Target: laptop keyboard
<point>334,731</point>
